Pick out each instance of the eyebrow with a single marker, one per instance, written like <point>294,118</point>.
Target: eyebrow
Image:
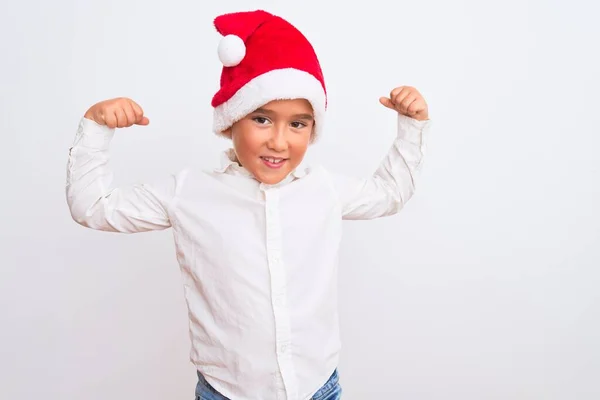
<point>305,116</point>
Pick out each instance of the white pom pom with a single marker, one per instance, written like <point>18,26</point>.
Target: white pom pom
<point>232,50</point>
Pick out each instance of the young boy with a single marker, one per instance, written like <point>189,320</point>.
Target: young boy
<point>257,239</point>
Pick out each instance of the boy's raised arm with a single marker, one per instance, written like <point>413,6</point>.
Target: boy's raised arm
<point>91,199</point>
<point>393,183</point>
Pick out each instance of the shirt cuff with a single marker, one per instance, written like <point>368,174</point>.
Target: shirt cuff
<point>412,130</point>
<point>93,135</point>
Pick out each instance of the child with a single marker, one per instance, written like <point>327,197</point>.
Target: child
<point>257,239</point>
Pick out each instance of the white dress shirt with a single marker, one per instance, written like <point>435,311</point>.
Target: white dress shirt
<point>259,262</point>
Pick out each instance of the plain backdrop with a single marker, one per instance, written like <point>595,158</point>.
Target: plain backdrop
<point>486,285</point>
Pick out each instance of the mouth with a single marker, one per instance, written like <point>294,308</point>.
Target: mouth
<point>274,162</point>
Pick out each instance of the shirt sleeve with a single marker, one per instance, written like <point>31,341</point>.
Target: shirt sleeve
<point>92,201</point>
<point>393,183</point>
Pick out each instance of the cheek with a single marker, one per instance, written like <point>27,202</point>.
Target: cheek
<point>245,144</point>
<point>299,145</point>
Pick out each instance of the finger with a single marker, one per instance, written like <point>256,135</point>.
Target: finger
<point>110,118</point>
<point>130,114</point>
<point>416,106</point>
<point>387,102</point>
<point>401,96</point>
<point>144,121</point>
<point>139,112</point>
<point>396,91</point>
<point>121,117</point>
<point>408,100</point>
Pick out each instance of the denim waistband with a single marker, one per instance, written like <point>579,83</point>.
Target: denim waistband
<point>326,388</point>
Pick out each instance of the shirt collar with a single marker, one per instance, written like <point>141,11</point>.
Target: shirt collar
<point>230,165</point>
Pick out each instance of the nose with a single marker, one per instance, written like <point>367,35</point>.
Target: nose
<point>277,141</point>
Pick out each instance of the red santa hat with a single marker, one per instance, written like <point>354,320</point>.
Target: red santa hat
<point>264,58</point>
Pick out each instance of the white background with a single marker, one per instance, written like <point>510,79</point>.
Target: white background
<point>486,286</point>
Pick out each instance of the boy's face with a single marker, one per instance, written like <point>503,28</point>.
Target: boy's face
<point>271,141</point>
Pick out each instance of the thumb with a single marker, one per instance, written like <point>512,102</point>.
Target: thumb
<point>387,102</point>
<point>144,121</point>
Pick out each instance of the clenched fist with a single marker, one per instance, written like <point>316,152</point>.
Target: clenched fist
<point>117,113</point>
<point>407,100</point>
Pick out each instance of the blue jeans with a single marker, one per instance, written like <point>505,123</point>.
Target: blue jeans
<point>330,391</point>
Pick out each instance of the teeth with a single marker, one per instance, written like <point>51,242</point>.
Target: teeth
<point>273,160</point>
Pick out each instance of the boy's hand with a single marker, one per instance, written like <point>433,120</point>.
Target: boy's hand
<point>117,113</point>
<point>407,100</point>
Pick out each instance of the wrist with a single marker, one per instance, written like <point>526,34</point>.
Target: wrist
<point>424,117</point>
<point>89,114</point>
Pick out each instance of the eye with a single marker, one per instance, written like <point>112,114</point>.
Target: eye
<point>298,124</point>
<point>260,120</point>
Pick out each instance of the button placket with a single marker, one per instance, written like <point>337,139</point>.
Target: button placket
<point>278,293</point>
